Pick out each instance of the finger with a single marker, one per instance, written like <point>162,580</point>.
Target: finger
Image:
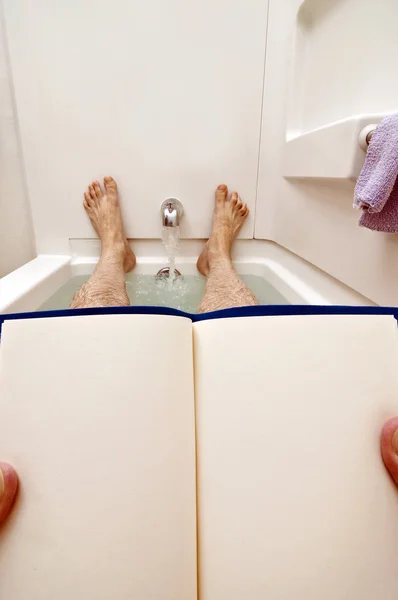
<point>389,447</point>
<point>8,490</point>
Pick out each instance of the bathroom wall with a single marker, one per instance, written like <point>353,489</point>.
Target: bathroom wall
<point>164,96</point>
<point>167,97</point>
<point>330,68</point>
<point>16,232</point>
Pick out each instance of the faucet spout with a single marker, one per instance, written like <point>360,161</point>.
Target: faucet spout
<point>171,212</point>
<point>170,216</point>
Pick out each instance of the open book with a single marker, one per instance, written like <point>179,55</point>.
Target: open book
<point>225,459</point>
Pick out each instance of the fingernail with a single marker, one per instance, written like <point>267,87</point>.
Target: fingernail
<point>2,485</point>
<point>394,442</point>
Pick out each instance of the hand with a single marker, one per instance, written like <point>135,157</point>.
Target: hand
<point>8,490</point>
<point>389,447</point>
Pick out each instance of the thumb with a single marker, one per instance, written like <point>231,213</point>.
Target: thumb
<point>8,490</point>
<point>389,447</point>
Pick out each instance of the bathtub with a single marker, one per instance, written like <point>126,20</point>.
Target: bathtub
<point>297,281</point>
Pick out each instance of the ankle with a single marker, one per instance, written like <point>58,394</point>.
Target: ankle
<point>114,249</point>
<point>219,260</point>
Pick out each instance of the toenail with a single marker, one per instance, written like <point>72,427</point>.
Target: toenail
<point>222,188</point>
<point>394,442</point>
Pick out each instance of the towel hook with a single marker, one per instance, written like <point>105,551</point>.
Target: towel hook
<point>365,136</point>
<point>369,137</point>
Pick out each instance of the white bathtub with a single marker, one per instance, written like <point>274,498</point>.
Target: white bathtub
<point>27,288</point>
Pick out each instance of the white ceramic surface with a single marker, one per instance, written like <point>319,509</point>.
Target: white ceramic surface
<point>164,96</point>
<point>327,60</point>
<point>16,230</point>
<point>299,282</point>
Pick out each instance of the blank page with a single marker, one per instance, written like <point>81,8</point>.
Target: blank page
<point>294,501</point>
<point>97,415</point>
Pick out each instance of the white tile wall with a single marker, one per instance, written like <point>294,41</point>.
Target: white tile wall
<point>164,96</point>
<point>16,233</point>
<point>314,217</point>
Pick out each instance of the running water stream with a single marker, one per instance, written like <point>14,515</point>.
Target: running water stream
<point>171,241</point>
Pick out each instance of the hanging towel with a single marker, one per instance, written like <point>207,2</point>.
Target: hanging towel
<point>376,192</point>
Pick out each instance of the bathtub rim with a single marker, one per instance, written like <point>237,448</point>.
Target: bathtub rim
<point>26,288</point>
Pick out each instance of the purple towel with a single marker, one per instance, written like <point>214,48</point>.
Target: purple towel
<point>376,192</point>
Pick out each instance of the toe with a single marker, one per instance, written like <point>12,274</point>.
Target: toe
<point>92,192</point>
<point>389,447</point>
<point>243,210</point>
<point>110,183</point>
<point>97,189</point>
<point>234,197</point>
<point>87,200</point>
<point>221,193</point>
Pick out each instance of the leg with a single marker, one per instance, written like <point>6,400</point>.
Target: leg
<point>224,288</point>
<point>106,286</point>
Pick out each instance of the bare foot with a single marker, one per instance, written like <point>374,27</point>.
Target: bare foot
<point>228,218</point>
<point>104,212</point>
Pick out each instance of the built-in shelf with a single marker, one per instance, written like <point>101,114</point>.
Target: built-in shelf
<point>329,152</point>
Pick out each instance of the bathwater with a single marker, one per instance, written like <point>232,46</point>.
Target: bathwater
<point>184,293</point>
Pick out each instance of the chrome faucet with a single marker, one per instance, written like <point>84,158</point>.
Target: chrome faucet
<point>171,211</point>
